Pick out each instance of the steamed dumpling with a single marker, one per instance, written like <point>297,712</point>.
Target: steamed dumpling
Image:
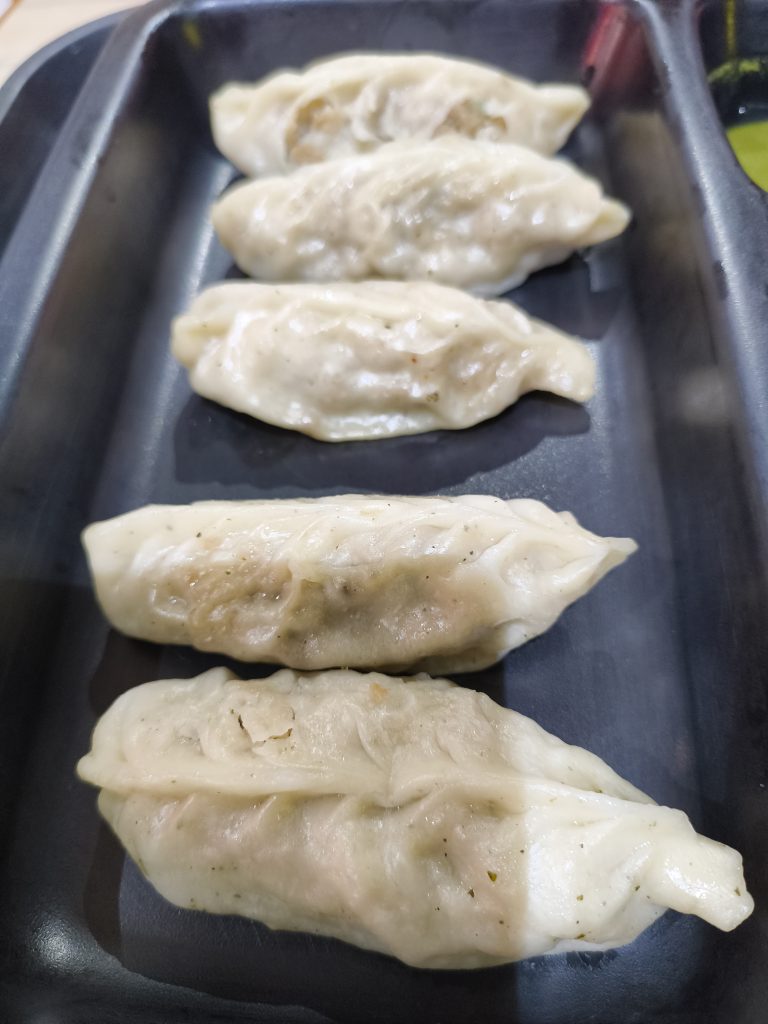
<point>440,584</point>
<point>355,103</point>
<point>374,359</point>
<point>413,817</point>
<point>470,214</point>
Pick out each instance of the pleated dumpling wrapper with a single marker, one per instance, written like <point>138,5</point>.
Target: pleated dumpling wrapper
<point>354,103</point>
<point>374,359</point>
<point>470,214</point>
<point>361,581</point>
<point>413,817</point>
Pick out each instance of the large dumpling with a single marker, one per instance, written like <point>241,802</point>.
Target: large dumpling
<point>354,103</point>
<point>373,359</point>
<point>440,584</point>
<point>470,214</point>
<point>413,817</point>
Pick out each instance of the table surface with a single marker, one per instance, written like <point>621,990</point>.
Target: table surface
<point>26,25</point>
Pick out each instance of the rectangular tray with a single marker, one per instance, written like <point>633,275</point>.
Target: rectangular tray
<point>661,670</point>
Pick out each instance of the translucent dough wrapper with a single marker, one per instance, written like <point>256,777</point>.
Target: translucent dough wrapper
<point>439,584</point>
<point>469,214</point>
<point>375,359</point>
<point>413,817</point>
<point>355,103</point>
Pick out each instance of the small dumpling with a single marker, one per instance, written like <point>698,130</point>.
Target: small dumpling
<point>470,214</point>
<point>374,359</point>
<point>364,581</point>
<point>353,104</point>
<point>413,817</point>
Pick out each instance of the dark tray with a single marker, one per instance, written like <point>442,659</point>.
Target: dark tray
<point>661,670</point>
<point>34,103</point>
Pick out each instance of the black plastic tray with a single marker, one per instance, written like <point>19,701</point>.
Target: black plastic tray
<point>34,103</point>
<point>661,670</point>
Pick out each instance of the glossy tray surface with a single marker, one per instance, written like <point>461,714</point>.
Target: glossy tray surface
<point>661,670</point>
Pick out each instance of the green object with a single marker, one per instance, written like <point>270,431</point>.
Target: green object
<point>749,142</point>
<point>733,71</point>
<point>191,32</point>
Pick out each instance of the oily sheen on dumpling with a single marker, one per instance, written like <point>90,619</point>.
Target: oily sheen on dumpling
<point>470,214</point>
<point>363,581</point>
<point>413,817</point>
<point>354,103</point>
<point>373,359</point>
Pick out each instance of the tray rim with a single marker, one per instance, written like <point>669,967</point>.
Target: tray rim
<point>20,76</point>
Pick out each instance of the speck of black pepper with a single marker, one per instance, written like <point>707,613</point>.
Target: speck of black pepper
<point>198,535</point>
<point>471,893</point>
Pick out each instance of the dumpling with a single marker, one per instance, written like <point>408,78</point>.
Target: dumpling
<point>469,214</point>
<point>362,581</point>
<point>413,817</point>
<point>373,359</point>
<point>355,103</point>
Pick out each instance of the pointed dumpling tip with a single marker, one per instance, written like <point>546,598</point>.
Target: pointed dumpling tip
<point>696,875</point>
<point>567,369</point>
<point>571,101</point>
<point>611,220</point>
